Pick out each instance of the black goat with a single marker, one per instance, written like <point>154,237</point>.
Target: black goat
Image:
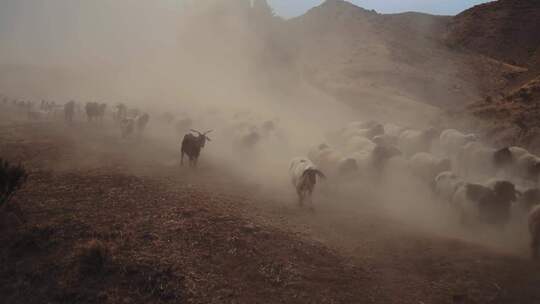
<point>192,145</point>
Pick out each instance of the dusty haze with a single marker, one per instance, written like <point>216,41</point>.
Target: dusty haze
<point>221,63</point>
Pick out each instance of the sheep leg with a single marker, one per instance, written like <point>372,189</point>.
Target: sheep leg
<point>300,197</point>
<point>310,196</point>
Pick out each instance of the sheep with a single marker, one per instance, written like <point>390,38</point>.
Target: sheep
<point>192,145</point>
<point>526,165</point>
<point>385,139</point>
<point>534,230</point>
<point>95,110</point>
<point>482,204</point>
<point>362,130</point>
<point>247,139</point>
<point>411,142</point>
<point>452,141</point>
<point>393,130</point>
<point>477,160</point>
<point>527,200</point>
<point>426,166</point>
<point>140,123</point>
<point>69,111</point>
<point>315,153</point>
<point>304,175</point>
<point>332,161</point>
<point>359,144</point>
<point>119,112</point>
<point>374,162</point>
<point>37,114</point>
<point>127,127</point>
<point>446,184</point>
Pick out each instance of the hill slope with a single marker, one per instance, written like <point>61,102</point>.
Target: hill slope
<point>506,32</point>
<point>384,58</point>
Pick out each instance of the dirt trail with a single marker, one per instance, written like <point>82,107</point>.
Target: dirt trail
<point>207,236</point>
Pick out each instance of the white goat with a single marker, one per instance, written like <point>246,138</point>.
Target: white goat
<point>304,178</point>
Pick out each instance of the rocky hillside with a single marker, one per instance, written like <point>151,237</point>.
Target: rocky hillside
<point>506,32</point>
<point>392,59</point>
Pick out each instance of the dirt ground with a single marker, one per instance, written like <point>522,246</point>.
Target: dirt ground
<point>122,222</point>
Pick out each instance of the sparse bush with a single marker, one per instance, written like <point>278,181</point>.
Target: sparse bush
<point>94,257</point>
<point>12,177</point>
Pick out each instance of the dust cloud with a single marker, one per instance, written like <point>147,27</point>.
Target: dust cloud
<point>237,69</point>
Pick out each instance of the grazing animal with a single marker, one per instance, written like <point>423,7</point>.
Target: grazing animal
<point>332,162</point>
<point>250,139</point>
<point>37,114</point>
<point>478,160</point>
<point>127,127</point>
<point>359,144</point>
<point>526,165</point>
<point>411,142</point>
<point>69,111</point>
<point>393,130</point>
<point>95,111</point>
<point>427,167</point>
<point>446,184</point>
<point>304,178</point>
<point>119,112</point>
<point>376,158</point>
<point>485,205</point>
<point>534,230</point>
<point>386,139</point>
<point>452,141</point>
<point>192,145</point>
<point>141,122</point>
<point>528,199</point>
<point>365,130</point>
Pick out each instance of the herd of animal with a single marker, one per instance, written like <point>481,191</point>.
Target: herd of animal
<point>131,121</point>
<point>484,187</point>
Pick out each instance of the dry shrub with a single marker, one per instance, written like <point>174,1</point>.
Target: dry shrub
<point>94,257</point>
<point>12,177</point>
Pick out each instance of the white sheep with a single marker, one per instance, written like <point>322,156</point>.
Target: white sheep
<point>393,130</point>
<point>452,141</point>
<point>386,139</point>
<point>446,184</point>
<point>332,162</point>
<point>304,178</point>
<point>426,166</point>
<point>359,144</point>
<point>411,142</point>
<point>478,161</point>
<point>526,165</point>
<point>374,162</point>
<point>361,129</point>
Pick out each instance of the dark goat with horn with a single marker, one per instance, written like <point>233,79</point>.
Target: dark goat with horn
<point>192,145</point>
